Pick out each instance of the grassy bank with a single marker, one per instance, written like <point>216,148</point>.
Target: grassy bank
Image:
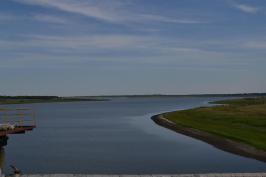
<point>241,120</point>
<point>42,99</point>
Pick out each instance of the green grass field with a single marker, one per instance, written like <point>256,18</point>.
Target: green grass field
<point>242,120</point>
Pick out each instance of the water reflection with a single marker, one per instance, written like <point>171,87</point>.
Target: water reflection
<point>2,159</point>
<point>3,141</point>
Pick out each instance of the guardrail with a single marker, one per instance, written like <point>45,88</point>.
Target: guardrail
<point>17,117</point>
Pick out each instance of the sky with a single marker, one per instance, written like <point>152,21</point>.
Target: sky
<point>112,47</point>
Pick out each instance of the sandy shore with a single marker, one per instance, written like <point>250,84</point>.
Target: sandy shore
<point>219,142</point>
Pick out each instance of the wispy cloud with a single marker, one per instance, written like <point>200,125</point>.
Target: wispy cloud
<point>102,10</point>
<point>6,17</point>
<point>149,47</point>
<point>101,43</point>
<point>79,50</point>
<point>246,8</point>
<point>256,44</point>
<point>159,18</point>
<point>79,43</point>
<point>106,11</point>
<point>50,19</point>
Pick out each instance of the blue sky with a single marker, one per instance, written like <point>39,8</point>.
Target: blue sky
<point>100,47</point>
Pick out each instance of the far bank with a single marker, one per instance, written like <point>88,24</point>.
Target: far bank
<point>237,126</point>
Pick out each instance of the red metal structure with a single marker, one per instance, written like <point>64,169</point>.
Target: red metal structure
<point>16,121</point>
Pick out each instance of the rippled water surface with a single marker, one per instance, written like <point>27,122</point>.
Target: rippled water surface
<point>115,137</point>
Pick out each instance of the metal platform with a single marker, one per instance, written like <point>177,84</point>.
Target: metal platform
<point>16,121</point>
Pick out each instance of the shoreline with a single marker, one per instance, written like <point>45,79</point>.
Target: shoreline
<point>214,140</point>
<point>151,175</point>
<point>19,102</point>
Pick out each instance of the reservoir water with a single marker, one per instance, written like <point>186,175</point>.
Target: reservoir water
<point>115,137</point>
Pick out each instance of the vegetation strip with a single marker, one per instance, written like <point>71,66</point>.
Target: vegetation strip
<point>237,126</point>
<point>44,99</point>
<point>157,175</point>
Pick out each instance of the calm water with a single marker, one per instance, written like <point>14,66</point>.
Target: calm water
<point>115,137</point>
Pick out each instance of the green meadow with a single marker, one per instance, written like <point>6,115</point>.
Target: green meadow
<point>242,120</point>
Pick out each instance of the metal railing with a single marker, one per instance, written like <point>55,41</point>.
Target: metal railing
<point>18,117</point>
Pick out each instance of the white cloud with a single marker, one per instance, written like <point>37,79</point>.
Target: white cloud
<point>182,49</point>
<point>256,45</point>
<point>114,12</point>
<point>246,8</point>
<point>50,19</point>
<point>158,18</point>
<point>79,43</point>
<point>100,45</point>
<point>6,17</point>
<point>90,8</point>
<point>69,50</point>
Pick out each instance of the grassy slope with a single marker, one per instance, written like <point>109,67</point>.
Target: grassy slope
<point>242,120</point>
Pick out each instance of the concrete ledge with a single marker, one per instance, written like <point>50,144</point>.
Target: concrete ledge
<point>177,175</point>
